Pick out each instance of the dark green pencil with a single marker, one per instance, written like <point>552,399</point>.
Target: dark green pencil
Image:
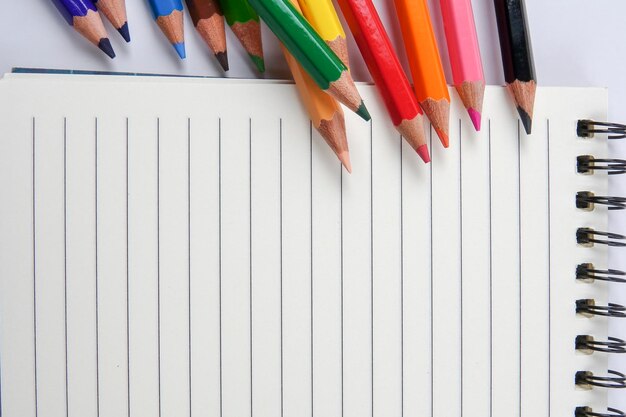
<point>244,22</point>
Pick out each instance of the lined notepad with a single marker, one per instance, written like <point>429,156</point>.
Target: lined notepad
<point>186,247</point>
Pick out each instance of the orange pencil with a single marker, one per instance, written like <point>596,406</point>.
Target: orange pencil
<point>429,81</point>
<point>324,111</point>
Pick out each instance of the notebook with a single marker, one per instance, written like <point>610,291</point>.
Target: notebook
<point>191,247</point>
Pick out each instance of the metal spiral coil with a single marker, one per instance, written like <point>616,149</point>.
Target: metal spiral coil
<point>586,200</point>
<point>588,344</point>
<point>587,272</point>
<point>587,379</point>
<point>588,412</point>
<point>588,307</point>
<point>587,129</point>
<point>587,164</point>
<point>587,237</point>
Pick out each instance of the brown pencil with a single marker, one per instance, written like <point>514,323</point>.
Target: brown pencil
<point>115,11</point>
<point>208,19</point>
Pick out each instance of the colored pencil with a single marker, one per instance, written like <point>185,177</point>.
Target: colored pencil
<point>464,53</point>
<point>517,57</point>
<point>169,16</point>
<point>322,16</point>
<point>386,70</point>
<point>317,59</point>
<point>429,80</point>
<point>244,22</point>
<point>83,15</point>
<point>115,11</point>
<point>324,111</point>
<point>208,19</point>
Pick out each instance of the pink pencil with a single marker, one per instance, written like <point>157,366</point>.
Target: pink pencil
<point>467,67</point>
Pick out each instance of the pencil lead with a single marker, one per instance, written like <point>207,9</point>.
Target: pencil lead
<point>422,151</point>
<point>344,157</point>
<point>476,118</point>
<point>124,32</point>
<point>258,61</point>
<point>362,111</point>
<point>222,58</point>
<point>443,137</point>
<point>526,120</point>
<point>180,49</point>
<point>105,46</point>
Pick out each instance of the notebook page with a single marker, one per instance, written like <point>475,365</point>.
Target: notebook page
<point>212,258</point>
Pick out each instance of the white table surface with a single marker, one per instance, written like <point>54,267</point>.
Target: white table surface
<point>575,43</point>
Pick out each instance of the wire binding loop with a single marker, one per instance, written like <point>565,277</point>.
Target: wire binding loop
<point>586,379</point>
<point>587,237</point>
<point>587,164</point>
<point>587,129</point>
<point>588,344</point>
<point>586,200</point>
<point>588,307</point>
<point>587,272</point>
<point>588,412</point>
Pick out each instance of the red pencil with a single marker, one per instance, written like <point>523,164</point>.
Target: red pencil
<point>384,66</point>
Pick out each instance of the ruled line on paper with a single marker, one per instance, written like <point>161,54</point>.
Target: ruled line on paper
<point>342,289</point>
<point>128,404</point>
<point>96,268</point>
<point>519,254</point>
<point>282,360</point>
<point>549,278</point>
<point>158,177</point>
<point>36,402</point>
<point>67,402</point>
<point>490,276</point>
<point>372,264</point>
<point>189,261</point>
<point>432,327</point>
<point>461,261</point>
<point>311,254</point>
<point>401,282</point>
<point>250,256</point>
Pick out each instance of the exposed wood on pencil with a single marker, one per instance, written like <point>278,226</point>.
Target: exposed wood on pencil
<point>209,22</point>
<point>413,132</point>
<point>438,112</point>
<point>472,94</point>
<point>249,35</point>
<point>523,94</point>
<point>334,133</point>
<point>115,11</point>
<point>172,26</point>
<point>340,47</point>
<point>343,89</point>
<point>91,27</point>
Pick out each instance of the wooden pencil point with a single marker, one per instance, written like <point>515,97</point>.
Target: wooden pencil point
<point>172,27</point>
<point>472,94</point>
<point>344,90</point>
<point>249,35</point>
<point>333,131</point>
<point>438,112</point>
<point>412,130</point>
<point>524,96</point>
<point>340,48</point>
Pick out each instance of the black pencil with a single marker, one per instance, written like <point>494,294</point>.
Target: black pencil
<point>517,57</point>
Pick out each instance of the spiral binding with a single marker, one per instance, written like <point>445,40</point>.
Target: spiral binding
<point>587,272</point>
<point>588,344</point>
<point>588,412</point>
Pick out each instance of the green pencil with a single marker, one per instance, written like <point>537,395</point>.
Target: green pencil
<point>315,56</point>
<point>244,23</point>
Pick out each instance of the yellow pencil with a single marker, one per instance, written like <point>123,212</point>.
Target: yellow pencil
<point>322,16</point>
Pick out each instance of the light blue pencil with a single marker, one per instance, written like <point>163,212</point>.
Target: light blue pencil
<point>169,16</point>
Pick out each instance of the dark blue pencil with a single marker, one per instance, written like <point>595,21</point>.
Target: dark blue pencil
<point>169,16</point>
<point>115,11</point>
<point>83,15</point>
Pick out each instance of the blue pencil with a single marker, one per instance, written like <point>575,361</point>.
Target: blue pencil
<point>169,16</point>
<point>83,15</point>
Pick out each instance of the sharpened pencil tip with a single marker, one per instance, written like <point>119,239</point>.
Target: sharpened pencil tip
<point>222,58</point>
<point>105,46</point>
<point>362,111</point>
<point>443,137</point>
<point>258,61</point>
<point>526,120</point>
<point>344,157</point>
<point>476,118</point>
<point>422,151</point>
<point>180,49</point>
<point>124,32</point>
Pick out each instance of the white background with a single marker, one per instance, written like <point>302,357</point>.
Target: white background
<point>575,43</point>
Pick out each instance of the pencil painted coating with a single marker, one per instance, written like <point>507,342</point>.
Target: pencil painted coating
<point>169,16</point>
<point>517,57</point>
<point>84,17</point>
<point>464,53</point>
<point>115,11</point>
<point>244,22</point>
<point>315,56</point>
<point>209,22</point>
<point>386,70</point>
<point>429,80</point>
<point>322,15</point>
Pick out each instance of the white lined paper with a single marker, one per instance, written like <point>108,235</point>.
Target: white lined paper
<point>236,306</point>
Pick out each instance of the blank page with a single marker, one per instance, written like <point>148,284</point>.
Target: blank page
<point>192,247</point>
